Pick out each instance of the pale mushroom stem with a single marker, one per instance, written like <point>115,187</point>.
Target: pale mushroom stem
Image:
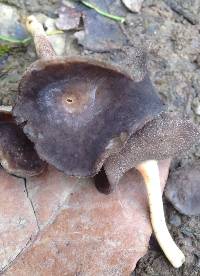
<point>150,172</point>
<point>43,47</point>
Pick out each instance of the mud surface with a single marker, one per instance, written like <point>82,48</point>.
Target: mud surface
<point>169,32</point>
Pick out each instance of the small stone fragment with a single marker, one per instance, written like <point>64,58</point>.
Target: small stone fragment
<point>133,5</point>
<point>69,18</point>
<point>183,190</point>
<point>100,33</point>
<point>175,220</point>
<point>10,23</point>
<point>196,106</point>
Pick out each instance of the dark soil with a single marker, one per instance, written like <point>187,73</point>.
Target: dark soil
<point>169,31</point>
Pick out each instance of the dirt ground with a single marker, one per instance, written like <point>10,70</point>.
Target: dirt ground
<point>169,31</point>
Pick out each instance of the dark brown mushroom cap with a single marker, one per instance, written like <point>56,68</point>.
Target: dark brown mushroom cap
<point>162,138</point>
<point>79,111</point>
<point>17,154</point>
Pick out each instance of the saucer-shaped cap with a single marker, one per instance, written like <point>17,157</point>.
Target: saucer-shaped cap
<point>78,111</point>
<point>17,154</point>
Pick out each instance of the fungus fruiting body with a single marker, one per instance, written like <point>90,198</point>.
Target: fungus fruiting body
<point>77,109</point>
<point>83,114</point>
<point>17,154</point>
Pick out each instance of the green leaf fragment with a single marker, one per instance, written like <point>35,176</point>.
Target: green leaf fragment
<point>103,13</point>
<point>14,40</point>
<point>4,49</point>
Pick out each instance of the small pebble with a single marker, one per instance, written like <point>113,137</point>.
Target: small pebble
<point>10,23</point>
<point>196,106</point>
<point>175,220</point>
<point>133,5</point>
<point>183,189</point>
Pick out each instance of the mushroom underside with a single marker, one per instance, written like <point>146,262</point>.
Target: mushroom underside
<point>79,112</point>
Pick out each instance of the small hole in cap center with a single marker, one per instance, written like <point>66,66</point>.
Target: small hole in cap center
<point>69,100</point>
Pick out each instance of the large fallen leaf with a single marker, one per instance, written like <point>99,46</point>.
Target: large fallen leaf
<point>17,221</point>
<point>82,232</point>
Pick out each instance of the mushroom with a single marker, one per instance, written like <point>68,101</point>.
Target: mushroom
<point>85,116</point>
<point>17,154</point>
<point>162,138</point>
<point>77,111</point>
